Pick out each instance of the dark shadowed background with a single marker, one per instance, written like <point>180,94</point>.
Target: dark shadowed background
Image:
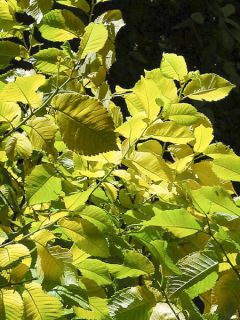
<point>206,33</point>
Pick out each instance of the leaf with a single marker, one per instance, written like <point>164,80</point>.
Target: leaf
<point>98,217</point>
<point>226,293</point>
<point>143,98</point>
<point>24,90</point>
<point>50,61</point>
<point>209,87</point>
<point>195,267</point>
<point>203,138</point>
<point>227,167</point>
<point>72,295</point>
<point>178,221</point>
<point>39,305</point>
<point>37,8</point>
<point>203,286</point>
<point>42,185</point>
<point>214,199</point>
<point>133,128</point>
<point>52,261</point>
<point>86,236</point>
<point>216,150</point>
<point>42,132</point>
<point>81,4</point>
<point>173,66</point>
<point>182,113</point>
<point>159,249</point>
<point>95,270</point>
<point>11,305</point>
<point>76,200</point>
<point>151,165</point>
<point>61,25</point>
<point>131,304</point>
<point>10,114</point>
<point>85,125</point>
<point>170,131</point>
<point>134,265</point>
<point>99,309</point>
<point>18,145</point>
<point>10,51</point>
<point>93,40</point>
<point>12,253</point>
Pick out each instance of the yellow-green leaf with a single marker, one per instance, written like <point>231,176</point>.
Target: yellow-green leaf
<point>203,138</point>
<point>93,40</point>
<point>11,305</point>
<point>40,306</point>
<point>170,131</point>
<point>24,90</point>
<point>151,165</point>
<point>43,185</point>
<point>227,167</point>
<point>42,132</point>
<point>209,87</point>
<point>61,25</point>
<point>173,66</point>
<point>85,125</point>
<point>18,145</point>
<point>9,51</point>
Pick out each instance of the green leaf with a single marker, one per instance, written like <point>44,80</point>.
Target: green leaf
<point>10,115</point>
<point>195,267</point>
<point>203,138</point>
<point>42,132</point>
<point>99,309</point>
<point>170,131</point>
<point>134,265</point>
<point>214,199</point>
<point>173,66</point>
<point>43,185</point>
<point>9,51</point>
<point>226,293</point>
<point>93,40</point>
<point>131,304</point>
<point>209,87</point>
<point>85,125</point>
<point>11,305</point>
<point>12,253</point>
<point>39,305</point>
<point>76,200</point>
<point>227,167</point>
<point>203,286</point>
<point>86,236</point>
<point>151,165</point>
<point>178,221</point>
<point>72,295</point>
<point>143,98</point>
<point>51,262</point>
<point>95,270</point>
<point>81,4</point>
<point>159,249</point>
<point>61,25</point>
<point>50,61</point>
<point>97,217</point>
<point>182,113</point>
<point>18,145</point>
<point>24,90</point>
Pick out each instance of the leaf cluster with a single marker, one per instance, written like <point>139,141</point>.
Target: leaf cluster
<point>103,217</point>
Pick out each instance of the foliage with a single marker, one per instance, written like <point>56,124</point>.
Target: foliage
<point>104,217</point>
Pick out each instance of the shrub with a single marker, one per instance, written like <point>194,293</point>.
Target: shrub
<point>104,217</point>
